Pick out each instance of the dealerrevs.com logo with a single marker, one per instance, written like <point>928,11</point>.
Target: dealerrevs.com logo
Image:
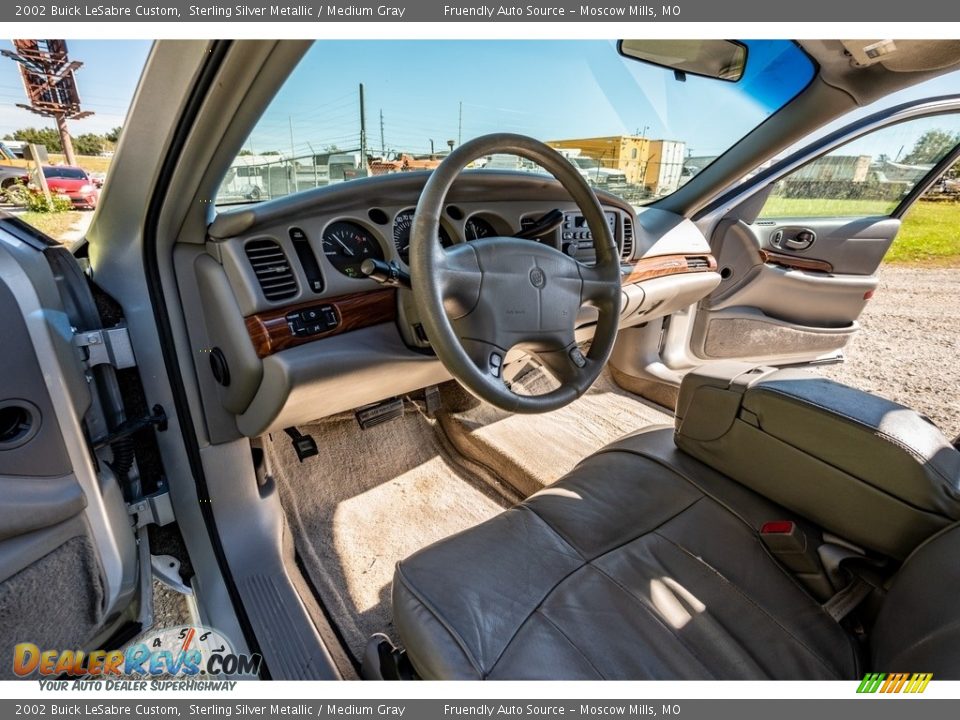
<point>183,651</point>
<point>887,683</point>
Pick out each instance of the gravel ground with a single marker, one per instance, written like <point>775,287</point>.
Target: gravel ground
<point>908,351</point>
<point>909,347</point>
<point>169,607</point>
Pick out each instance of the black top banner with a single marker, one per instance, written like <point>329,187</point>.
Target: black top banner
<point>437,11</point>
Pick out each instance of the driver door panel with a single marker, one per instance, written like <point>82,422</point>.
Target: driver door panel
<point>68,556</point>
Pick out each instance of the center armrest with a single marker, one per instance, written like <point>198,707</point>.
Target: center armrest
<point>859,465</point>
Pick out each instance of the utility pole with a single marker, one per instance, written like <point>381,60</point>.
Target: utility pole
<point>313,154</point>
<point>431,147</point>
<point>460,127</point>
<point>51,88</point>
<point>363,132</point>
<point>292,165</point>
<point>383,145</point>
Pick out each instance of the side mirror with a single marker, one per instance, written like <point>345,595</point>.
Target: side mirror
<point>717,59</point>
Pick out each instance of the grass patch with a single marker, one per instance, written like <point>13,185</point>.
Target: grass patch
<point>56,225</point>
<point>90,163</point>
<point>781,207</point>
<point>930,234</point>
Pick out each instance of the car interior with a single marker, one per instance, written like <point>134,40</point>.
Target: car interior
<point>478,424</point>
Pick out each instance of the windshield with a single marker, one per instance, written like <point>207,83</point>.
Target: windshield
<point>70,173</point>
<point>353,109</point>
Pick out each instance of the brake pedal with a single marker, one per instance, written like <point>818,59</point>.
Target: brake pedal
<point>432,401</point>
<point>379,413</point>
<point>304,445</point>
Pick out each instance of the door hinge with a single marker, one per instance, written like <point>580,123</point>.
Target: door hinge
<point>157,418</point>
<point>110,347</point>
<point>153,509</point>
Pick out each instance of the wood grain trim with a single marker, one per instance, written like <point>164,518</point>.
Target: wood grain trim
<point>663,265</point>
<point>795,263</point>
<point>270,332</point>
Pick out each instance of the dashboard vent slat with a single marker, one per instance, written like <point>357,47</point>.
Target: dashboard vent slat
<point>626,251</point>
<point>698,263</point>
<point>272,268</point>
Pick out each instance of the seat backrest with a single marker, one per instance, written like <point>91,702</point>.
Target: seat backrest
<point>918,627</point>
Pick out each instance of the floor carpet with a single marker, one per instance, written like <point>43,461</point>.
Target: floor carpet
<point>532,451</point>
<point>372,498</point>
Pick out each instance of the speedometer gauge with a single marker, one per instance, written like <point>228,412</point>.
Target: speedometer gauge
<point>347,245</point>
<point>401,235</point>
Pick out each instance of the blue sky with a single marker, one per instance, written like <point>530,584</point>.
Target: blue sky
<point>549,89</point>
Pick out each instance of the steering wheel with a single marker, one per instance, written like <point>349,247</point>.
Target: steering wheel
<point>478,300</point>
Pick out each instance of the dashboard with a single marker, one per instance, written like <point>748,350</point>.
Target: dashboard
<point>295,330</point>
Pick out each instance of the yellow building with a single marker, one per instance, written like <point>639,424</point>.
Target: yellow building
<point>655,164</point>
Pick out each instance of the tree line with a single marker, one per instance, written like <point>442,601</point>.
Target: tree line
<point>86,144</point>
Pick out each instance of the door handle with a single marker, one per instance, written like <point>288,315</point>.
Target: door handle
<point>801,241</point>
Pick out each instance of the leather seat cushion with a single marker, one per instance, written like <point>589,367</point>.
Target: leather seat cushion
<point>642,563</point>
<point>919,621</point>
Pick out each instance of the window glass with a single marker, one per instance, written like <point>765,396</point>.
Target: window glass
<point>868,176</point>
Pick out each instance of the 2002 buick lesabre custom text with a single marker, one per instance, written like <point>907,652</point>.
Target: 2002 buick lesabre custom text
<point>113,11</point>
<point>88,709</point>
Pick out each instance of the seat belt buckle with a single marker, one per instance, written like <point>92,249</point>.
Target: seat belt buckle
<point>788,543</point>
<point>791,547</point>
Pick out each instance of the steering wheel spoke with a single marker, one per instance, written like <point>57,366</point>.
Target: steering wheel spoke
<point>565,360</point>
<point>487,357</point>
<point>597,287</point>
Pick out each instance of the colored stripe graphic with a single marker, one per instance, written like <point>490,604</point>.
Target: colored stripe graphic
<point>914,683</point>
<point>871,682</point>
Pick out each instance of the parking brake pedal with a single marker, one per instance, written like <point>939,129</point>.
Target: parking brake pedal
<point>379,413</point>
<point>304,445</point>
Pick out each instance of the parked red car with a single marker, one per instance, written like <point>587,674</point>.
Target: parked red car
<point>74,182</point>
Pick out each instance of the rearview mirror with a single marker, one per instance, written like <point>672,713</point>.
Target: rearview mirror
<point>718,59</point>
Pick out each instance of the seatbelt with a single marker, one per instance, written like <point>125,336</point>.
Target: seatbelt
<point>847,600</point>
<point>834,566</point>
<point>848,568</point>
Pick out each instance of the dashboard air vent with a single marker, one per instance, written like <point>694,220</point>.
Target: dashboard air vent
<point>698,263</point>
<point>626,250</point>
<point>272,269</point>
